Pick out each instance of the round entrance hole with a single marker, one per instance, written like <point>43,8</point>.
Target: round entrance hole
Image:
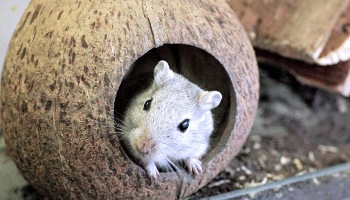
<point>199,67</point>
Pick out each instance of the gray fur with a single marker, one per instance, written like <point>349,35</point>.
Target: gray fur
<point>155,132</point>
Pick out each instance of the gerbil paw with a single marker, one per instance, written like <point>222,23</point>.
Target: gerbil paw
<point>194,166</point>
<point>152,171</point>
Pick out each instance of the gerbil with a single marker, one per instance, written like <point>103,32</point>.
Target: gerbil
<point>170,121</point>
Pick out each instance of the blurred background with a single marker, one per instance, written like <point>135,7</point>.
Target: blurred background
<point>10,13</point>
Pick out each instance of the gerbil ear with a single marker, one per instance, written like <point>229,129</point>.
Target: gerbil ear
<point>209,100</point>
<point>162,73</point>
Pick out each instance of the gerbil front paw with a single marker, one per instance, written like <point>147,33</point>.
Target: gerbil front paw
<point>152,171</point>
<point>194,166</point>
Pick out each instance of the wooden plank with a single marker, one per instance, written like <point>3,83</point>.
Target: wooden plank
<point>298,29</point>
<point>338,46</point>
<point>334,79</point>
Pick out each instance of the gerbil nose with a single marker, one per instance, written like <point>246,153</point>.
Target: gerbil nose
<point>142,147</point>
<point>145,146</point>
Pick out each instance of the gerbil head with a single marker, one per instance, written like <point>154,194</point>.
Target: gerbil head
<point>171,120</point>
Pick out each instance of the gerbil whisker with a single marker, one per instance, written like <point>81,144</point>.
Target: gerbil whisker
<point>118,115</point>
<point>120,126</point>
<point>119,121</point>
<point>121,130</point>
<point>128,145</point>
<point>171,165</point>
<point>174,166</point>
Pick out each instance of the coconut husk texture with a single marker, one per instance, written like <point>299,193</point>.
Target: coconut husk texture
<point>60,79</point>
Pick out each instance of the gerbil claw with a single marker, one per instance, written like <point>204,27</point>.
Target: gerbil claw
<point>194,166</point>
<point>152,171</point>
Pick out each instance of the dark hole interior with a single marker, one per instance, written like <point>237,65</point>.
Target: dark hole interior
<point>196,65</point>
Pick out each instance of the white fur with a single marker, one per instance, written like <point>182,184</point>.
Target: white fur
<point>156,132</point>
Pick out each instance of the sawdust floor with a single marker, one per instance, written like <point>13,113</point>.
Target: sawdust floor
<point>298,129</point>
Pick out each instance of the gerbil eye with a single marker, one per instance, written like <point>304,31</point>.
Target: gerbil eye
<point>147,105</point>
<point>184,125</point>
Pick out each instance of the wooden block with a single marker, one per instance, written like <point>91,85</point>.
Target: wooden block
<point>308,30</point>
